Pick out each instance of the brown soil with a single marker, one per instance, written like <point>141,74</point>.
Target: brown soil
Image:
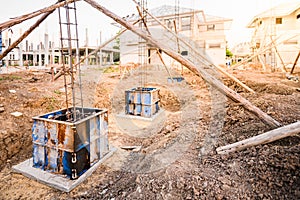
<point>177,159</point>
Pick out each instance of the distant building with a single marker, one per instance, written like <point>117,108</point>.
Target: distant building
<point>204,32</point>
<point>241,51</point>
<point>47,53</point>
<point>280,27</point>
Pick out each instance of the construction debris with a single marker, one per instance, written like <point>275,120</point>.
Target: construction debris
<point>2,109</point>
<point>16,114</point>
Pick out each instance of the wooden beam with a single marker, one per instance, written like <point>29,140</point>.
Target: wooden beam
<point>25,34</point>
<point>264,138</point>
<point>18,20</point>
<point>295,63</point>
<point>197,70</point>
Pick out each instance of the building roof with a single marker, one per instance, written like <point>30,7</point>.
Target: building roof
<point>281,10</point>
<point>168,10</point>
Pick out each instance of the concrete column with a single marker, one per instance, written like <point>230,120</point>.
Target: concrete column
<point>21,55</point>
<point>101,58</point>
<point>53,54</point>
<point>86,53</point>
<point>111,57</point>
<point>40,55</point>
<point>46,49</point>
<point>34,58</point>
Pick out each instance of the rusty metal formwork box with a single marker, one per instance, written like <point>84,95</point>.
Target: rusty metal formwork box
<point>67,147</point>
<point>142,101</point>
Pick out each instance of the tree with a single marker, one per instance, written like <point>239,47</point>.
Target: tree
<point>228,53</point>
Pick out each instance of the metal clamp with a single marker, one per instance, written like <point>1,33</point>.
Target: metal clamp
<point>74,159</point>
<point>74,173</point>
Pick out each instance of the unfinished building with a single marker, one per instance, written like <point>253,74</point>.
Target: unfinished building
<point>205,32</point>
<point>276,35</point>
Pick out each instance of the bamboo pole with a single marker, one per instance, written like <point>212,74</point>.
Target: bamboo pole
<point>264,138</point>
<point>198,71</point>
<point>200,55</point>
<point>18,20</point>
<point>25,34</point>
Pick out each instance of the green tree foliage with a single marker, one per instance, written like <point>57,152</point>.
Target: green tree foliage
<point>229,53</point>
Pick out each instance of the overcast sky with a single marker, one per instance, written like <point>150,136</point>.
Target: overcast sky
<point>241,11</point>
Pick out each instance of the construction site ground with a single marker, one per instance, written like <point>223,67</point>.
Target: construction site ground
<point>171,157</point>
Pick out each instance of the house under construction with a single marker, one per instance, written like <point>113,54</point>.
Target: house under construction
<point>204,32</point>
<point>276,36</point>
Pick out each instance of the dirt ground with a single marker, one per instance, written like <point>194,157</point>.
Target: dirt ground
<point>177,159</point>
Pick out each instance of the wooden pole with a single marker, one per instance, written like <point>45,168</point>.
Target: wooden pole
<point>294,65</point>
<point>197,70</point>
<point>25,17</point>
<point>202,58</point>
<point>25,34</point>
<point>264,138</point>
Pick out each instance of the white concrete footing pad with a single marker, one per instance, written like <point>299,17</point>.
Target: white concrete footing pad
<point>134,117</point>
<point>57,181</point>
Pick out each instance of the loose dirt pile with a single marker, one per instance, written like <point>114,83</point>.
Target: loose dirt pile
<point>177,160</point>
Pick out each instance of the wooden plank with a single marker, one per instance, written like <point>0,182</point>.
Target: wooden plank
<point>264,138</point>
<point>18,20</point>
<point>197,70</point>
<point>25,34</point>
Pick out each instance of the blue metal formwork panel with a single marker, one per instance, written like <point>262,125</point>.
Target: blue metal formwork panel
<point>142,101</point>
<point>39,156</point>
<point>70,148</point>
<point>39,131</point>
<point>150,110</point>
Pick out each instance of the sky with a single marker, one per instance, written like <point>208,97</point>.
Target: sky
<point>240,11</point>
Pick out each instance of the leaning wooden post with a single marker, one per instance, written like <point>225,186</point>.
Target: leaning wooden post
<point>22,18</point>
<point>198,71</point>
<point>264,138</point>
<point>24,35</point>
<point>295,63</point>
